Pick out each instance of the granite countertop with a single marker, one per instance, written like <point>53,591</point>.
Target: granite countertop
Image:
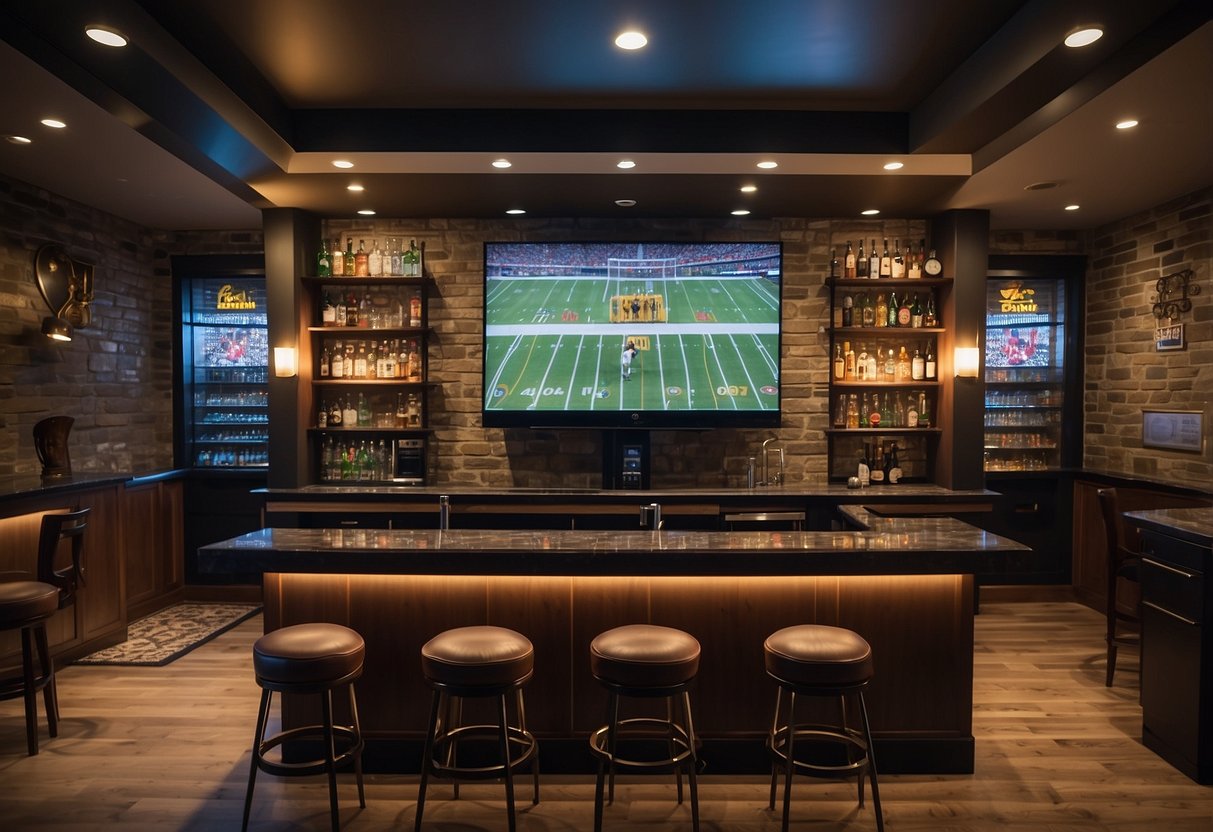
<point>1192,524</point>
<point>818,489</point>
<point>929,545</point>
<point>32,484</point>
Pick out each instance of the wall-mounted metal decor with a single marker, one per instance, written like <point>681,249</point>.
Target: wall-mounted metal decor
<point>67,287</point>
<point>1175,294</point>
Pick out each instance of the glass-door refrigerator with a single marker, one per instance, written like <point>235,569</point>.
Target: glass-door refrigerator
<point>223,416</point>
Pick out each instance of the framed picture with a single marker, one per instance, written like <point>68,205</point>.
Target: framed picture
<point>1173,430</point>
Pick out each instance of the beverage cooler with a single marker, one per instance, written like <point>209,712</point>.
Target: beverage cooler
<point>223,409</point>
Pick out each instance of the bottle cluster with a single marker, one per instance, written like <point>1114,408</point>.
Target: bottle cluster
<point>364,461</point>
<point>347,309</point>
<point>397,359</point>
<point>243,398</point>
<point>362,412</point>
<point>903,409</point>
<point>914,263</point>
<point>390,261</point>
<point>231,457</point>
<point>235,436</point>
<point>879,366</point>
<point>223,417</point>
<point>879,467</point>
<point>881,309</point>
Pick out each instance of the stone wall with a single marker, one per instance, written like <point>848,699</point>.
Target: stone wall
<point>468,454</point>
<point>115,377</point>
<point>1124,373</point>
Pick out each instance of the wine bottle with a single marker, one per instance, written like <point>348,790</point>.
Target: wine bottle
<point>916,312</point>
<point>893,475</point>
<point>328,312</point>
<point>874,263</point>
<point>929,366</point>
<point>924,415</point>
<point>861,262</point>
<point>849,268</point>
<point>886,261</point>
<point>918,367</point>
<point>865,412</point>
<point>904,315</point>
<point>864,471</point>
<point>323,262</point>
<point>840,412</point>
<point>877,465</point>
<point>361,265</point>
<point>848,310</point>
<point>337,362</point>
<point>349,257</point>
<point>894,305</point>
<point>898,268</point>
<point>833,263</point>
<point>326,359</point>
<point>929,317</point>
<point>840,365</point>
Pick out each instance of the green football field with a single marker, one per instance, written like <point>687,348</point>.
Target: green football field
<point>550,345</point>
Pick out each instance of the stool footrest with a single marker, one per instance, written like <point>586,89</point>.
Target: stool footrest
<point>666,732</point>
<point>777,742</point>
<point>487,733</point>
<point>307,767</point>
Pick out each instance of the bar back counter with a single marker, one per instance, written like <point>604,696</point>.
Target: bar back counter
<point>905,583</point>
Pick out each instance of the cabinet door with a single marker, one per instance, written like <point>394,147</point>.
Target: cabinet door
<point>1170,686</point>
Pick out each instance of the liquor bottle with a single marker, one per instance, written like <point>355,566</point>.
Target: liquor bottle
<point>872,361</point>
<point>903,365</point>
<point>890,367</point>
<point>886,411</point>
<point>873,263</point>
<point>893,475</point>
<point>360,361</point>
<point>415,311</point>
<point>351,310</point>
<point>337,361</point>
<point>395,268</point>
<point>849,268</point>
<point>863,471</point>
<point>881,316</point>
<point>339,311</point>
<point>372,361</point>
<point>322,415</point>
<point>874,411</point>
<point>886,261</point>
<point>833,263</point>
<point>918,367</point>
<point>914,266</point>
<point>852,411</point>
<point>840,364</point>
<point>347,366</point>
<point>361,264</point>
<point>848,357</point>
<point>349,414</point>
<point>861,262</point>
<point>865,412</point>
<point>836,314</point>
<point>867,312</point>
<point>912,412</point>
<point>349,257</point>
<point>413,372</point>
<point>401,416</point>
<point>840,412</point>
<point>861,364</point>
<point>924,415</point>
<point>904,315</point>
<point>347,463</point>
<point>413,412</point>
<point>929,318</point>
<point>387,354</point>
<point>364,411</point>
<point>364,462</point>
<point>364,311</point>
<point>324,266</point>
<point>328,312</point>
<point>337,259</point>
<point>877,464</point>
<point>335,414</point>
<point>916,312</point>
<point>898,268</point>
<point>374,263</point>
<point>411,260</point>
<point>894,306</point>
<point>899,412</point>
<point>929,365</point>
<point>326,359</point>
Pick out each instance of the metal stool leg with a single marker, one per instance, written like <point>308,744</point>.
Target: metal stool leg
<point>871,766</point>
<point>427,758</point>
<point>262,717</point>
<point>358,740</point>
<point>790,762</point>
<point>692,760</point>
<point>612,713</point>
<point>31,694</point>
<point>535,759</point>
<point>505,761</point>
<point>50,695</point>
<point>330,757</point>
<point>672,749</point>
<point>771,744</point>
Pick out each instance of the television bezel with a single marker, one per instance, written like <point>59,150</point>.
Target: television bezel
<point>624,419</point>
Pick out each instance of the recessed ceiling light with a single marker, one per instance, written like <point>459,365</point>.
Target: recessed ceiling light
<point>1127,124</point>
<point>18,140</point>
<point>1040,186</point>
<point>625,203</point>
<point>625,164</point>
<point>105,36</point>
<point>367,212</point>
<point>894,165</point>
<point>59,125</point>
<point>870,212</point>
<point>768,165</point>
<point>749,189</point>
<point>502,163</point>
<point>353,186</point>
<point>631,40</point>
<point>1083,37</point>
<point>1073,207</point>
<point>342,163</point>
<point>741,212</point>
<point>515,211</point>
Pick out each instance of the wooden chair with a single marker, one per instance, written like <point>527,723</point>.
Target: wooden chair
<point>1123,564</point>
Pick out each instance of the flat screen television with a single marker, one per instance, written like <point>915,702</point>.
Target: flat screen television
<point>632,335</point>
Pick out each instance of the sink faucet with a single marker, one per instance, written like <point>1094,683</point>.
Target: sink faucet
<point>767,477</point>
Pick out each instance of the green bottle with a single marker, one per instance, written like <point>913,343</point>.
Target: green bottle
<point>323,264</point>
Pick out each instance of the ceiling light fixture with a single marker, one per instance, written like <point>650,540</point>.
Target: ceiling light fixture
<point>625,203</point>
<point>894,165</point>
<point>749,189</point>
<point>367,212</point>
<point>741,212</point>
<point>515,211</point>
<point>870,212</point>
<point>631,40</point>
<point>1073,207</point>
<point>18,140</point>
<point>353,186</point>
<point>768,165</point>
<point>502,163</point>
<point>106,36</point>
<point>344,164</point>
<point>1127,124</point>
<point>625,164</point>
<point>59,125</point>
<point>1083,37</point>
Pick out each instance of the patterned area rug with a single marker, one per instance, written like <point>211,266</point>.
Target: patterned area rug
<point>171,633</point>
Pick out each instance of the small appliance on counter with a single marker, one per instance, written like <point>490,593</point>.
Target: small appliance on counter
<point>408,464</point>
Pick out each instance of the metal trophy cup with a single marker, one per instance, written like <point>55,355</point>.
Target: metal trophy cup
<point>50,441</point>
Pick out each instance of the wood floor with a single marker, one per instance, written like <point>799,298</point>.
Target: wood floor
<point>167,748</point>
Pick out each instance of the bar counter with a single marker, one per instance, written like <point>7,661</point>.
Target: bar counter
<point>905,584</point>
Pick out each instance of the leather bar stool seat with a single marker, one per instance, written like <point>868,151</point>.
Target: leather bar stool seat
<point>816,660</point>
<point>309,659</point>
<point>646,661</point>
<point>25,606</point>
<point>477,662</point>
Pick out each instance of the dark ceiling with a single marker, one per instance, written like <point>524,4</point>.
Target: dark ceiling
<point>217,108</point>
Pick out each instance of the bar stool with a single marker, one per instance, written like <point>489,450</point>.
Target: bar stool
<point>26,605</point>
<point>645,661</point>
<point>819,661</point>
<point>477,662</point>
<point>308,659</point>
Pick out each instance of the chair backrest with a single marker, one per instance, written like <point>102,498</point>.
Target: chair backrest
<point>1124,541</point>
<point>55,529</point>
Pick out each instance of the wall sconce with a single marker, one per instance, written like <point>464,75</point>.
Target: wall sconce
<point>967,362</point>
<point>286,362</point>
<point>67,287</point>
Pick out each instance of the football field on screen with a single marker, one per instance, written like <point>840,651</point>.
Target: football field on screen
<point>551,345</point>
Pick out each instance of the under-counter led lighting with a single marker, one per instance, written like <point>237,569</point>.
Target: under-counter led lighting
<point>355,187</point>
<point>515,211</point>
<point>106,36</point>
<point>870,212</point>
<point>749,189</point>
<point>502,163</point>
<point>625,164</point>
<point>631,40</point>
<point>741,212</point>
<point>1083,37</point>
<point>59,125</point>
<point>894,165</point>
<point>1127,124</point>
<point>1073,207</point>
<point>342,163</point>
<point>768,165</point>
<point>367,212</point>
<point>18,140</point>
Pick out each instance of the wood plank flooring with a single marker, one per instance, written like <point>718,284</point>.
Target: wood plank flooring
<point>167,749</point>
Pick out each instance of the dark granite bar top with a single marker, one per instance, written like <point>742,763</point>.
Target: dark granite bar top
<point>32,484</point>
<point>1192,524</point>
<point>821,489</point>
<point>906,546</point>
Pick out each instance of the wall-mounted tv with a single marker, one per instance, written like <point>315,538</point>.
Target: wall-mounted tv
<point>640,335</point>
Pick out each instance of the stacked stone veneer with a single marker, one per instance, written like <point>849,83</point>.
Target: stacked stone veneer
<point>115,377</point>
<point>1124,373</point>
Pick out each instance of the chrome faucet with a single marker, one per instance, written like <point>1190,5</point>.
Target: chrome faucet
<point>767,478</point>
